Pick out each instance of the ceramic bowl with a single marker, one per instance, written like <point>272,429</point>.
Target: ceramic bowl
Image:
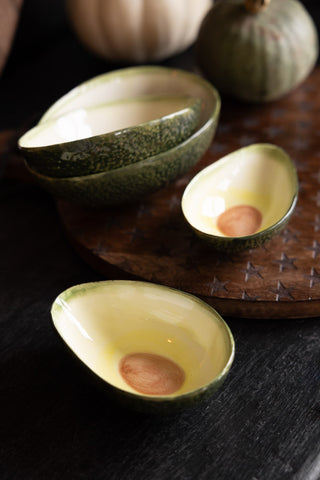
<point>151,348</point>
<point>108,136</point>
<point>134,181</point>
<point>244,199</point>
<point>134,82</point>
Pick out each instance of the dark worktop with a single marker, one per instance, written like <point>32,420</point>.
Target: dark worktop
<point>264,424</point>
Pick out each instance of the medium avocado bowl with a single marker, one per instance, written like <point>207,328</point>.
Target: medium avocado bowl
<point>244,199</point>
<point>108,136</point>
<point>151,348</point>
<point>133,182</point>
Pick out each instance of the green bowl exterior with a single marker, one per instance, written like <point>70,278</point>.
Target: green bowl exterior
<point>132,182</point>
<point>102,153</point>
<point>158,406</point>
<point>238,244</point>
<point>148,404</point>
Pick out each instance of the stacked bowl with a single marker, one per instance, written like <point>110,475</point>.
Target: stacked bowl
<point>122,135</point>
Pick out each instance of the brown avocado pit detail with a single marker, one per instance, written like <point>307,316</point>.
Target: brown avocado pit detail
<point>239,220</point>
<point>151,374</point>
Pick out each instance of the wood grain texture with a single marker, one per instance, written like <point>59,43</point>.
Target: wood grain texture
<point>150,239</point>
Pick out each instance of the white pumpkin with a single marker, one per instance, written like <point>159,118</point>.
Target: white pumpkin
<point>137,30</point>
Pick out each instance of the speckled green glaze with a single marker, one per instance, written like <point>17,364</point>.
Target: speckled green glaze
<point>148,404</point>
<point>133,181</point>
<point>238,244</point>
<point>110,151</point>
<point>162,406</point>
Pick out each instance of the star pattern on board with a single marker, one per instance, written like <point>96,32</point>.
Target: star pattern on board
<point>217,147</point>
<point>316,198</point>
<point>217,286</point>
<point>175,202</point>
<point>300,164</point>
<point>286,263</point>
<point>99,249</point>
<point>298,211</point>
<point>288,235</point>
<point>278,112</point>
<point>183,181</point>
<point>247,140</point>
<point>248,298</point>
<point>282,292</point>
<point>305,106</point>
<point>190,264</point>
<point>137,234</point>
<point>316,223</point>
<point>251,271</point>
<point>303,186</point>
<point>303,124</point>
<point>315,249</point>
<point>144,210</point>
<point>314,277</point>
<point>273,131</point>
<point>316,176</point>
<point>300,144</point>
<point>251,122</point>
<point>224,128</point>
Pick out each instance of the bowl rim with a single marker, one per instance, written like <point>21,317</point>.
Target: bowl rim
<point>220,162</point>
<point>42,126</point>
<point>132,71</point>
<point>139,396</point>
<point>149,161</point>
<point>211,120</point>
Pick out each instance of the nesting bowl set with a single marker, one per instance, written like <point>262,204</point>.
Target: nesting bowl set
<point>116,139</point>
<point>122,135</point>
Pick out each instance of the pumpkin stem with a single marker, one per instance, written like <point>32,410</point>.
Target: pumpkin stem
<point>256,6</point>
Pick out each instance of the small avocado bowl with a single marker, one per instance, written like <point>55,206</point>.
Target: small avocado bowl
<point>244,199</point>
<point>109,136</point>
<point>149,347</point>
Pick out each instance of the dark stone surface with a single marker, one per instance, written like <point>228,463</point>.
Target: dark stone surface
<point>264,424</point>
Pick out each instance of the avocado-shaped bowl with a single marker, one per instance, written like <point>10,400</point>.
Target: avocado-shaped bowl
<point>132,182</point>
<point>133,82</point>
<point>151,348</point>
<point>244,199</point>
<point>108,136</point>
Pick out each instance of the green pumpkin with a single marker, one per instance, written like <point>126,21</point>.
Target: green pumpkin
<point>257,50</point>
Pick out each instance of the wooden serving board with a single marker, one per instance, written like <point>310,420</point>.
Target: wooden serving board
<point>150,240</point>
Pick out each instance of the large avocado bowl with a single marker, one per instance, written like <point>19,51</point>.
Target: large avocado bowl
<point>135,82</point>
<point>150,347</point>
<point>134,181</point>
<point>244,199</point>
<point>108,136</point>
